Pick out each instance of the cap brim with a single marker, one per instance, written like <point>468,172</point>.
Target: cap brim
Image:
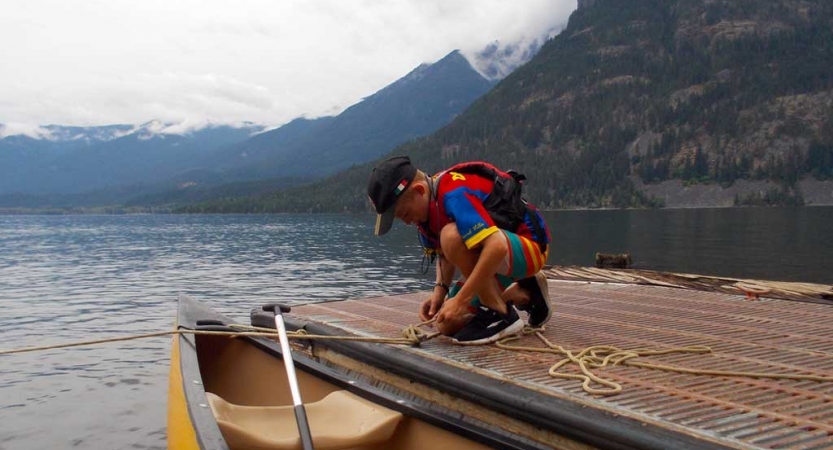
<point>383,222</point>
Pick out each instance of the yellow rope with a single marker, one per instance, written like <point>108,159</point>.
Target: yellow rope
<point>408,338</point>
<point>587,360</point>
<point>78,344</point>
<point>601,356</point>
<point>411,336</point>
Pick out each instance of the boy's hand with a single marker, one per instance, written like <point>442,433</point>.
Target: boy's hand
<point>453,316</point>
<point>452,310</point>
<point>431,306</point>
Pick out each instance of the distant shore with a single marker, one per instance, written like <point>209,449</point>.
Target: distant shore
<point>113,212</point>
<point>677,194</point>
<point>673,194</point>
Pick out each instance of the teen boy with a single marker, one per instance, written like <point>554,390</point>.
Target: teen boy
<point>500,267</point>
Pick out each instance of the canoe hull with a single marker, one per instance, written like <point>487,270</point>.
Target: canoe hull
<point>181,434</point>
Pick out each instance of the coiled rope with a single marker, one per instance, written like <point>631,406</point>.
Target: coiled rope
<point>588,359</point>
<point>602,356</point>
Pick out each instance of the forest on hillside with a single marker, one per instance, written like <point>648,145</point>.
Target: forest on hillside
<point>704,92</point>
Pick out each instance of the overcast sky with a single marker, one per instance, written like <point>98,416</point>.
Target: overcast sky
<point>97,62</point>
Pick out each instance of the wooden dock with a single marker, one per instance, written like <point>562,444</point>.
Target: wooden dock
<point>641,310</point>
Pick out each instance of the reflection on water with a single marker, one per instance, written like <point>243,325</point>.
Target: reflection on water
<point>71,278</point>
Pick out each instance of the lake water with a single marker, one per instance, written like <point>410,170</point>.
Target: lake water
<point>72,278</point>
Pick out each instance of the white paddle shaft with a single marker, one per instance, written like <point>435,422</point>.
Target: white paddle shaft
<point>287,360</point>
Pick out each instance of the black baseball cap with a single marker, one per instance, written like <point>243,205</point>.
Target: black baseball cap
<point>387,182</point>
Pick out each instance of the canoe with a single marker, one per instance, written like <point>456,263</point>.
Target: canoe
<point>233,393</point>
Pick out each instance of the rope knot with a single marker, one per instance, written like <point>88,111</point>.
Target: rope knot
<point>414,335</point>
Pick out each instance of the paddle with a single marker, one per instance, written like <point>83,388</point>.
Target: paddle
<point>300,412</point>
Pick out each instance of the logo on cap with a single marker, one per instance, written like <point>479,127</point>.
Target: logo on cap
<point>402,185</point>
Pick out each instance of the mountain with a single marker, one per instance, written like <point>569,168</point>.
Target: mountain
<point>648,91</point>
<point>24,151</point>
<point>637,95</point>
<point>499,59</point>
<point>158,163</point>
<point>69,136</point>
<point>72,160</point>
<point>417,104</point>
<point>260,149</point>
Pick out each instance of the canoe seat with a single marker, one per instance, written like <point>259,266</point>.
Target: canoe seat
<point>338,421</point>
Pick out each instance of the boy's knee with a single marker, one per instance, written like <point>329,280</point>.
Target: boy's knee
<point>450,237</point>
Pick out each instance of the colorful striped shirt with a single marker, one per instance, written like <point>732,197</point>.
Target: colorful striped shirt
<point>459,199</point>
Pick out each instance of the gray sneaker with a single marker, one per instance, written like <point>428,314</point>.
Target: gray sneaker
<point>539,307</point>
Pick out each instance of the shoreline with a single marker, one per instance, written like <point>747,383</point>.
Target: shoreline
<point>160,211</point>
<point>674,194</point>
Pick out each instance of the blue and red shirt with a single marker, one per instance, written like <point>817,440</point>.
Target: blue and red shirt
<point>459,198</point>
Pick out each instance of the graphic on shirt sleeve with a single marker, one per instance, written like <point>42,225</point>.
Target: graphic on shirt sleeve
<point>465,207</point>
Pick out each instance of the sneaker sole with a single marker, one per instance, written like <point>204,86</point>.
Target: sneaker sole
<point>541,279</point>
<point>513,329</point>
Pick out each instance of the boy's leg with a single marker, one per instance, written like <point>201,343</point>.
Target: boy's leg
<point>465,259</point>
<point>524,263</point>
<point>538,306</point>
<point>492,319</point>
<point>524,260</point>
<point>530,293</point>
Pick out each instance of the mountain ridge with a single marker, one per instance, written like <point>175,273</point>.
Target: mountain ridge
<point>140,154</point>
<point>418,103</point>
<point>632,95</point>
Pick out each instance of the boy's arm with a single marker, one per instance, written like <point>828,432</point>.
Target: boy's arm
<point>445,271</point>
<point>445,274</point>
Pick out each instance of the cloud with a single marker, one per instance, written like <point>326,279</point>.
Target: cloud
<point>32,131</point>
<point>93,62</point>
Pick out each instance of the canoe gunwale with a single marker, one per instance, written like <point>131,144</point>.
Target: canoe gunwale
<point>208,432</point>
<point>205,425</point>
<point>584,424</point>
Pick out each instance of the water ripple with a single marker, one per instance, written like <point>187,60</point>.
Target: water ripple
<point>71,278</point>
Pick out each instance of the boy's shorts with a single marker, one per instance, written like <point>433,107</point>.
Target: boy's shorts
<point>524,259</point>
